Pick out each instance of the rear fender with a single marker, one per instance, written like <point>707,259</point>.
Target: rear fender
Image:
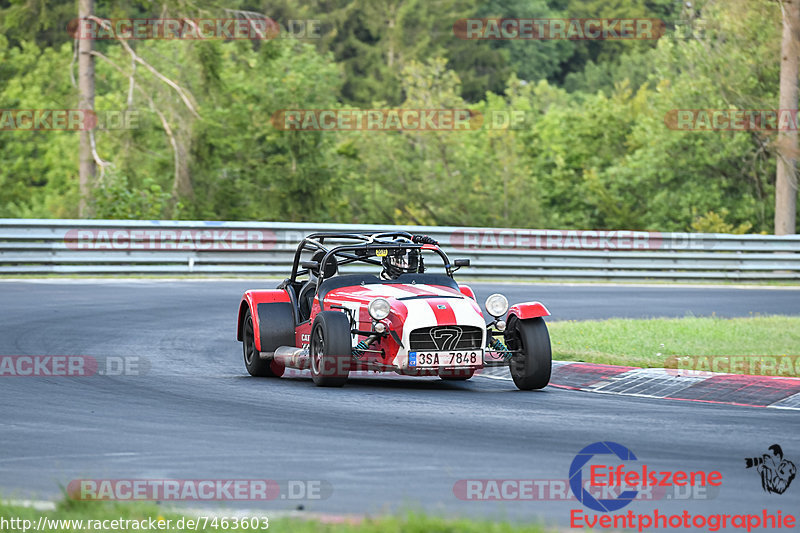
<point>273,318</point>
<point>527,310</point>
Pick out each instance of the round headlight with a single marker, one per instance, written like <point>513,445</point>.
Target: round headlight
<point>496,305</point>
<point>379,308</point>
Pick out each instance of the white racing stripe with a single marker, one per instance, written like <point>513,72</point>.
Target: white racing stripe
<point>466,314</point>
<point>441,291</point>
<point>386,290</point>
<point>420,315</point>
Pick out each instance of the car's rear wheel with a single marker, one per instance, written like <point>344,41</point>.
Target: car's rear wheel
<point>252,358</point>
<point>330,349</point>
<point>531,366</point>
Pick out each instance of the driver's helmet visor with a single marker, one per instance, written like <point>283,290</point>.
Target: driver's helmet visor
<point>400,261</point>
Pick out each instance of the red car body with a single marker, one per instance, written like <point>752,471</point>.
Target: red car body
<point>434,326</point>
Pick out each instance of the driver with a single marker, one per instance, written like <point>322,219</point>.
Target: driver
<point>408,261</point>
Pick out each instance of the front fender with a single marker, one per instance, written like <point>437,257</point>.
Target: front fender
<point>466,290</point>
<point>273,313</point>
<point>527,310</point>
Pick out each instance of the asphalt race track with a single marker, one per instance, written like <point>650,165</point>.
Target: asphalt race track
<point>381,443</point>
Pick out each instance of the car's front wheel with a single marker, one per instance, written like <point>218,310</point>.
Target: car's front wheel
<point>532,364</point>
<point>330,349</point>
<point>252,358</point>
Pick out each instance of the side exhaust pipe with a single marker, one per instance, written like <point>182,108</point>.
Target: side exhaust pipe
<point>290,356</point>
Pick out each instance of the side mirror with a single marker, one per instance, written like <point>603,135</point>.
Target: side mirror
<point>461,262</point>
<point>312,266</point>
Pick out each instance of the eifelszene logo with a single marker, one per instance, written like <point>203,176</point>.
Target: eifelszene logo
<point>624,480</point>
<point>576,477</point>
<point>776,472</point>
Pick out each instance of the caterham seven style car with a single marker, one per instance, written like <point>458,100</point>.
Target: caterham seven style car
<point>398,319</point>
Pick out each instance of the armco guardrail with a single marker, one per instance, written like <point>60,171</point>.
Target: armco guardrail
<point>266,248</point>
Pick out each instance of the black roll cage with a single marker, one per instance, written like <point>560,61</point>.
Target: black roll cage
<point>366,241</point>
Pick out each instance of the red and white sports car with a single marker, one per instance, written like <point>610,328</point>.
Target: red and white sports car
<point>404,320</point>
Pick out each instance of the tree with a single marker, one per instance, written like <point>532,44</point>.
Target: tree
<point>786,177</point>
<point>87,167</point>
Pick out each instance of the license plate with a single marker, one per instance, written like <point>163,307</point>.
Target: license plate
<point>437,359</point>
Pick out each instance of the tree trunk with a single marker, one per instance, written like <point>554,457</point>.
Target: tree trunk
<point>786,178</point>
<point>88,169</point>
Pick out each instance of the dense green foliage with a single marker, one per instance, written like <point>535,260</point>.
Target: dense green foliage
<point>592,149</point>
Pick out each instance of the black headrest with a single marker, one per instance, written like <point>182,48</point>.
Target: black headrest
<point>330,269</point>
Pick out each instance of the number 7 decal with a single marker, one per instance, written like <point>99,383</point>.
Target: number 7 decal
<point>446,338</point>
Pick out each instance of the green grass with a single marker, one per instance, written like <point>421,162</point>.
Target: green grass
<point>656,342</point>
<point>408,523</point>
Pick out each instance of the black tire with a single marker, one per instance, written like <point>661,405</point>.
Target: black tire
<point>330,349</point>
<point>531,368</point>
<point>456,375</point>
<point>256,366</point>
